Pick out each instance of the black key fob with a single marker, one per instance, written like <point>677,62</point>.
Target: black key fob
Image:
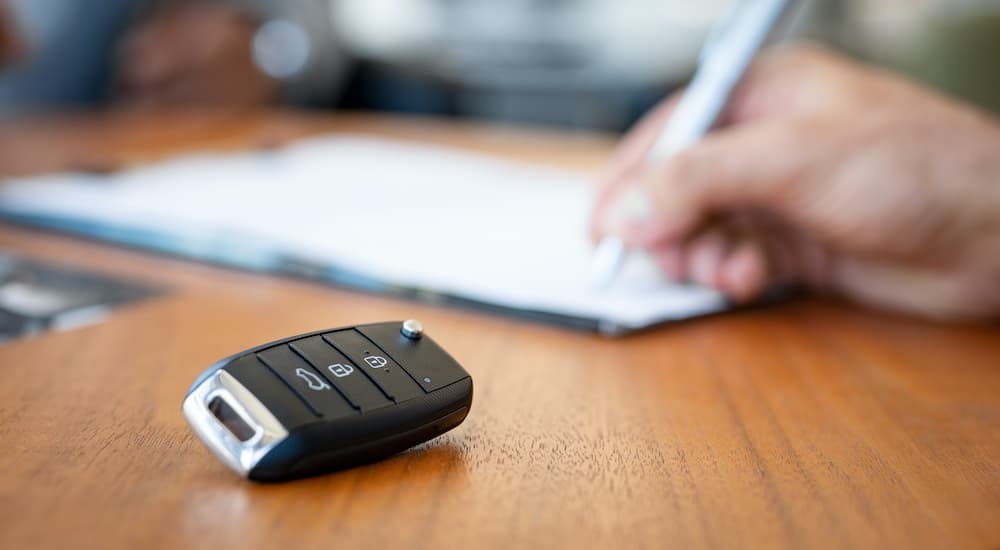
<point>327,400</point>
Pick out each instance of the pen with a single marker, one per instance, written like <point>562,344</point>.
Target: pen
<point>725,58</point>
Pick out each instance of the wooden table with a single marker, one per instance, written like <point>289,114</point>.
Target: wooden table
<point>809,424</point>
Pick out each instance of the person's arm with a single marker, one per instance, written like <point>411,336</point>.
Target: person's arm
<point>831,175</point>
<point>10,43</point>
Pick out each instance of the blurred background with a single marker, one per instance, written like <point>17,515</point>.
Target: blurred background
<point>586,64</point>
<point>91,87</point>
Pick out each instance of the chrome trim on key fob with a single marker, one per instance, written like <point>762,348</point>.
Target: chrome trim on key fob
<point>240,456</point>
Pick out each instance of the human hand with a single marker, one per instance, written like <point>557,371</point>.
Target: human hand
<point>194,53</point>
<point>830,175</point>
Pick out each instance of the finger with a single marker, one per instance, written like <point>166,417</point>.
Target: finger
<point>769,252</point>
<point>733,257</point>
<point>779,243</point>
<point>765,252</point>
<point>744,274</point>
<point>756,166</point>
<point>741,255</point>
<point>789,81</point>
<point>640,139</point>
<point>627,162</point>
<point>705,256</point>
<point>671,260</point>
<point>697,258</point>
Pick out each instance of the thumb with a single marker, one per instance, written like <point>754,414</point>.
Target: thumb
<point>627,163</point>
<point>757,165</point>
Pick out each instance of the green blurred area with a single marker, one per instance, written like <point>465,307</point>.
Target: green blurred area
<point>959,53</point>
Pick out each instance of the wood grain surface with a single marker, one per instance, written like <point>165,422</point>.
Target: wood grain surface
<point>808,424</point>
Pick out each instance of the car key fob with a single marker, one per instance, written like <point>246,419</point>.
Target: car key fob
<point>327,400</point>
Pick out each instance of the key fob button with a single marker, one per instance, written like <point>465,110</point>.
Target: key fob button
<point>393,380</point>
<point>314,388</point>
<point>427,363</point>
<point>342,373</point>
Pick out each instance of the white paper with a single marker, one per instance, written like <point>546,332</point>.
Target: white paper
<point>415,216</point>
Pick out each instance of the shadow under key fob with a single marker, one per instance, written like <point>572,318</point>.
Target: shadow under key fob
<point>327,400</point>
